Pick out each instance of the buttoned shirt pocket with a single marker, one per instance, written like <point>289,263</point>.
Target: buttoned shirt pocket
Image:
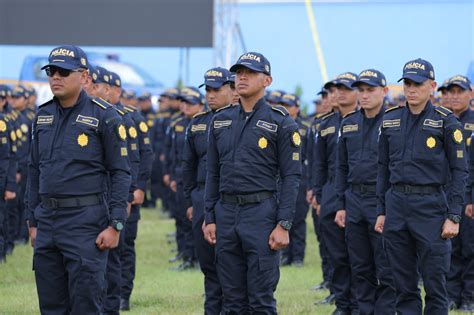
<point>45,134</point>
<point>83,142</point>
<point>396,142</point>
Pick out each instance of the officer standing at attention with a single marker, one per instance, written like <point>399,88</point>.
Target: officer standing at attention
<point>218,95</point>
<point>421,149</point>
<point>356,177</point>
<point>324,173</point>
<point>443,89</point>
<point>460,281</point>
<point>296,249</point>
<point>77,143</point>
<point>250,146</point>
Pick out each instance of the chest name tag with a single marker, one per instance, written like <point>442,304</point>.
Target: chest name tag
<point>90,121</point>
<point>267,126</point>
<point>391,123</point>
<point>328,131</point>
<point>178,128</point>
<point>433,123</point>
<point>198,127</point>
<point>468,126</point>
<point>45,120</point>
<point>350,128</point>
<point>222,123</point>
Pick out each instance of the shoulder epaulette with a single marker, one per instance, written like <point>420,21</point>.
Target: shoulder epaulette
<point>349,113</point>
<point>174,122</point>
<point>327,115</point>
<point>320,115</point>
<point>175,114</point>
<point>306,123</point>
<point>392,108</point>
<point>163,115</point>
<point>443,110</point>
<point>119,111</point>
<point>200,114</point>
<point>225,107</point>
<point>44,104</point>
<point>282,110</point>
<point>101,103</point>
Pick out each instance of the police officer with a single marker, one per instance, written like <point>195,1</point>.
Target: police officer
<point>324,172</point>
<point>443,89</point>
<point>77,142</point>
<point>249,144</point>
<point>139,133</point>
<point>218,94</point>
<point>235,95</point>
<point>460,281</point>
<point>274,97</point>
<point>356,177</point>
<point>295,252</point>
<point>421,149</point>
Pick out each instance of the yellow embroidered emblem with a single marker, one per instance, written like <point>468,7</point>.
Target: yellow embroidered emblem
<point>457,136</point>
<point>82,140</point>
<point>24,128</point>
<point>262,143</point>
<point>123,152</point>
<point>431,142</point>
<point>296,156</point>
<point>150,123</point>
<point>122,132</point>
<point>132,132</point>
<point>19,134</point>
<point>143,127</point>
<point>296,139</point>
<point>13,135</point>
<point>468,142</point>
<point>3,126</point>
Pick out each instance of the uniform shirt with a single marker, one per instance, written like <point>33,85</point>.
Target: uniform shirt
<point>357,152</point>
<point>425,149</point>
<point>5,153</point>
<point>23,139</point>
<point>145,148</point>
<point>303,129</point>
<point>168,165</point>
<point>467,121</point>
<point>74,149</point>
<point>163,119</point>
<point>310,141</point>
<point>178,135</point>
<point>324,152</point>
<point>246,153</point>
<point>195,153</point>
<point>149,116</point>
<point>13,160</point>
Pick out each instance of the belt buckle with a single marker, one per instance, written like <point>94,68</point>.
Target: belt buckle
<point>54,203</point>
<point>363,188</point>
<point>240,200</point>
<point>406,189</point>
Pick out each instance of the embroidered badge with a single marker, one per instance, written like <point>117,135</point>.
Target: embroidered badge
<point>90,121</point>
<point>3,126</point>
<point>132,132</point>
<point>122,132</point>
<point>457,136</point>
<point>430,142</point>
<point>267,126</point>
<point>296,139</point>
<point>143,127</point>
<point>82,140</point>
<point>262,143</point>
<point>45,120</point>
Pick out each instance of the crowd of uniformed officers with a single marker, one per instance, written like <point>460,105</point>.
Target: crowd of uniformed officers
<point>388,181</point>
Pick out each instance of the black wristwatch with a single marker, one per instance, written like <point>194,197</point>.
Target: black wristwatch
<point>285,224</point>
<point>454,217</point>
<point>117,225</point>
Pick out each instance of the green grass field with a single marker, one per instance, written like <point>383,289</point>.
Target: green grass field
<point>159,290</point>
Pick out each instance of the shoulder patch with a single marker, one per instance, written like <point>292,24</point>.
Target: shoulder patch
<point>392,108</point>
<point>282,110</point>
<point>101,103</point>
<point>225,107</point>
<point>200,114</point>
<point>327,115</point>
<point>350,113</point>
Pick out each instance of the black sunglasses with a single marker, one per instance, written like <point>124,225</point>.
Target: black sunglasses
<point>50,71</point>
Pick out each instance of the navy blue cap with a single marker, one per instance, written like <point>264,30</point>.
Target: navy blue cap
<point>371,77</point>
<point>322,92</point>
<point>20,91</point>
<point>68,57</point>
<point>5,90</point>
<point>191,95</point>
<point>232,77</point>
<point>128,94</point>
<point>145,96</point>
<point>216,77</point>
<point>346,79</point>
<point>171,93</point>
<point>418,70</point>
<point>290,100</point>
<point>253,61</point>
<point>31,90</point>
<point>100,75</point>
<point>115,79</point>
<point>443,86</point>
<point>274,96</point>
<point>461,81</point>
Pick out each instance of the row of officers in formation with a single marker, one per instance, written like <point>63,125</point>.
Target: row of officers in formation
<point>388,186</point>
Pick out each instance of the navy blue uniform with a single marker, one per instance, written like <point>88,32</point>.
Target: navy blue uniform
<point>5,159</point>
<point>145,152</point>
<point>194,177</point>
<point>324,173</point>
<point>246,153</point>
<point>460,279</point>
<point>356,177</point>
<point>73,151</point>
<point>149,117</point>
<point>418,155</point>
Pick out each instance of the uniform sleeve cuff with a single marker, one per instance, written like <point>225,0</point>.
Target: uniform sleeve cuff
<point>210,218</point>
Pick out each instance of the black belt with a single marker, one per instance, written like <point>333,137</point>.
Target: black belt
<point>246,199</point>
<point>362,188</point>
<point>416,189</point>
<point>73,202</point>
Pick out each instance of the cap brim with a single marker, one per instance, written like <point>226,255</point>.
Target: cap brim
<point>235,67</point>
<point>462,86</point>
<point>321,93</point>
<point>346,84</point>
<point>413,77</point>
<point>328,85</point>
<point>213,85</point>
<point>359,82</point>
<point>62,65</point>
